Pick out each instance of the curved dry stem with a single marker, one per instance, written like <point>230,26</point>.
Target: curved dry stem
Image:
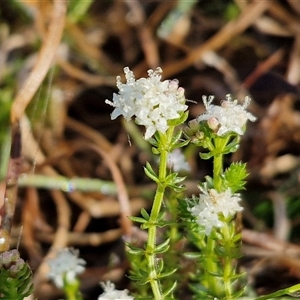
<point>125,210</point>
<point>44,60</point>
<point>61,235</point>
<point>231,29</point>
<point>87,78</point>
<point>89,133</point>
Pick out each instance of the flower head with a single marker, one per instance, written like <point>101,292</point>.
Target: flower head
<point>15,276</point>
<point>110,293</point>
<point>213,204</point>
<point>177,161</point>
<point>229,117</point>
<point>65,266</point>
<point>150,101</point>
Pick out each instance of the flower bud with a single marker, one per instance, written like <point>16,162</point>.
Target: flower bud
<point>213,123</point>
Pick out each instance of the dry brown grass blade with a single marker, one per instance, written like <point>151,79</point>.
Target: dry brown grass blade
<point>284,16</point>
<point>282,226</point>
<point>146,37</point>
<point>263,67</point>
<point>32,219</point>
<point>293,75</point>
<point>125,209</point>
<point>91,134</point>
<point>231,29</point>
<point>61,235</point>
<point>268,242</point>
<point>43,62</point>
<point>85,77</point>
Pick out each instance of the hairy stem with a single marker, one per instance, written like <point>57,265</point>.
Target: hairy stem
<point>164,141</point>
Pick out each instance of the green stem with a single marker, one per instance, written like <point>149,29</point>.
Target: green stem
<point>220,144</point>
<point>211,263</point>
<point>72,293</point>
<point>218,170</point>
<point>287,291</point>
<point>210,266</point>
<point>228,267</point>
<point>71,288</point>
<point>165,141</point>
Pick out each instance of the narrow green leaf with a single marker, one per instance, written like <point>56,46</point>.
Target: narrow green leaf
<point>134,250</point>
<point>160,265</point>
<point>163,247</point>
<point>155,151</point>
<point>161,215</point>
<point>150,173</point>
<point>238,294</point>
<point>170,290</point>
<point>206,155</point>
<point>166,274</point>
<point>138,220</point>
<point>145,214</point>
<point>192,255</point>
<point>176,137</point>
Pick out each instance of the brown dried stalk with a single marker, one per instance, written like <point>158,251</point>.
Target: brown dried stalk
<point>44,61</point>
<point>22,99</point>
<point>230,30</point>
<point>125,210</point>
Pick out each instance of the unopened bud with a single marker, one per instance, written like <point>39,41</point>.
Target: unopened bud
<point>213,123</point>
<point>180,92</point>
<point>173,85</point>
<point>200,135</point>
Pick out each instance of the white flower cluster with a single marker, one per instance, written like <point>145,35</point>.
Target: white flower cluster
<point>177,161</point>
<point>66,265</point>
<point>110,293</point>
<point>229,117</point>
<point>150,101</point>
<point>211,205</point>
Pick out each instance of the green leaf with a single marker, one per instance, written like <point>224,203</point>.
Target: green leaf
<point>173,178</point>
<point>161,215</point>
<point>139,280</point>
<point>160,265</point>
<point>206,155</point>
<point>155,151</point>
<point>238,294</point>
<point>27,284</point>
<point>232,146</point>
<point>153,142</point>
<point>181,144</point>
<point>145,214</point>
<point>192,255</point>
<point>150,173</point>
<point>176,137</point>
<point>170,290</point>
<point>138,220</point>
<point>6,98</point>
<point>163,247</point>
<point>234,176</point>
<point>167,274</point>
<point>134,250</point>
<point>178,188</point>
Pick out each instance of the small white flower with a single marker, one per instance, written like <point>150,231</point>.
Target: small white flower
<point>150,101</point>
<point>177,161</point>
<point>229,117</point>
<point>211,205</point>
<point>110,293</point>
<point>66,265</point>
